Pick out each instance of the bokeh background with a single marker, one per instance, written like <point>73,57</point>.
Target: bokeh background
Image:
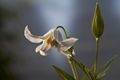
<point>18,60</point>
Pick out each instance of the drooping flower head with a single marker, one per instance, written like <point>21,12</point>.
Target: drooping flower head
<point>52,38</point>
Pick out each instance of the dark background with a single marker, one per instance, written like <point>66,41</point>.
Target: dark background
<point>18,60</point>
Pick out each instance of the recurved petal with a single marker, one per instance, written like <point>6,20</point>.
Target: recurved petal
<point>43,48</point>
<point>32,38</point>
<point>39,49</point>
<point>69,42</point>
<point>42,53</point>
<point>50,33</point>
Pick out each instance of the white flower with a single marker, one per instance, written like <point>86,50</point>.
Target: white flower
<point>45,40</point>
<point>51,39</point>
<point>65,45</point>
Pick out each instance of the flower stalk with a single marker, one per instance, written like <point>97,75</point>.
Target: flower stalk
<point>72,64</point>
<point>65,33</point>
<point>74,68</point>
<point>97,29</point>
<point>97,55</point>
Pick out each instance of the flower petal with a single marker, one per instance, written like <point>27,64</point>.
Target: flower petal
<point>73,52</point>
<point>43,48</point>
<point>48,34</point>
<point>39,49</point>
<point>42,53</point>
<point>67,43</point>
<point>30,37</point>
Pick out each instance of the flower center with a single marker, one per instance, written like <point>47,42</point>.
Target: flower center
<point>49,40</point>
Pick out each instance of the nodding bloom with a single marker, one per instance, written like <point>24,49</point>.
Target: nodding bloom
<point>52,38</point>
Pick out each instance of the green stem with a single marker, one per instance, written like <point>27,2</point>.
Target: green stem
<point>97,55</point>
<point>74,70</point>
<point>63,30</point>
<point>72,64</point>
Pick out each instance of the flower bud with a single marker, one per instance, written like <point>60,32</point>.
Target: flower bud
<point>97,23</point>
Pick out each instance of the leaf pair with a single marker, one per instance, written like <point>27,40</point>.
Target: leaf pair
<point>83,68</point>
<point>105,68</point>
<point>87,72</point>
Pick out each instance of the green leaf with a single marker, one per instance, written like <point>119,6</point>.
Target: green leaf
<point>84,77</point>
<point>63,74</point>
<point>84,69</point>
<point>106,67</point>
<point>97,23</point>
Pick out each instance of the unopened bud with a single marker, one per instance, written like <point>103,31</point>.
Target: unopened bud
<point>97,23</point>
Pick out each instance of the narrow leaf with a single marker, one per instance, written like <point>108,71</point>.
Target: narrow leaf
<point>84,69</point>
<point>106,67</point>
<point>63,74</point>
